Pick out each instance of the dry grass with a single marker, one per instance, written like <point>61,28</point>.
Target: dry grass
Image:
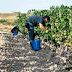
<point>10,16</point>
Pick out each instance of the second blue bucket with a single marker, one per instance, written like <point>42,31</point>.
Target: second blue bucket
<point>15,33</point>
<point>36,44</point>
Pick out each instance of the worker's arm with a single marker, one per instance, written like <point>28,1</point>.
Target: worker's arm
<point>42,27</point>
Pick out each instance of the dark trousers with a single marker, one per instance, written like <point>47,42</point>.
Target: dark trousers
<point>31,32</point>
<point>30,27</point>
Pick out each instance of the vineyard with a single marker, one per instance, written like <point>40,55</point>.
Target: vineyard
<point>16,54</point>
<point>60,25</point>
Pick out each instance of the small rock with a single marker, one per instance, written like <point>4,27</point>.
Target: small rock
<point>64,59</point>
<point>42,46</point>
<point>51,67</point>
<point>33,62</point>
<point>55,65</point>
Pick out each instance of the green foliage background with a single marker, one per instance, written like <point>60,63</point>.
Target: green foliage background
<point>60,20</point>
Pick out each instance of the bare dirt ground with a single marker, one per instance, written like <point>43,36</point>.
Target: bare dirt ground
<point>6,28</point>
<point>16,55</point>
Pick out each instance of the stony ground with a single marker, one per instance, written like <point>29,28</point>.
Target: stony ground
<point>16,55</point>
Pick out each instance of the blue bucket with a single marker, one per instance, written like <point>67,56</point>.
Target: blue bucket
<point>36,44</point>
<point>15,33</point>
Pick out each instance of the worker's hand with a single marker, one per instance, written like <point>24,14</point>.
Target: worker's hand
<point>26,30</point>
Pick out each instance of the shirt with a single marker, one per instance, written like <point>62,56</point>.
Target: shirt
<point>36,19</point>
